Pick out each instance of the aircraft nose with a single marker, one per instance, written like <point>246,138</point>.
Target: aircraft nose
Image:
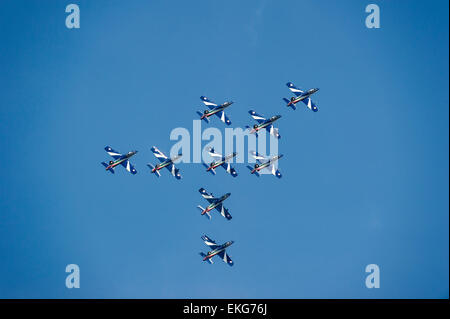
<point>227,195</point>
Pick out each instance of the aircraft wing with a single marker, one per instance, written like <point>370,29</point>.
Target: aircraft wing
<point>223,211</point>
<point>209,242</point>
<point>273,131</point>
<point>129,167</point>
<point>310,104</point>
<point>229,169</point>
<point>174,171</point>
<point>209,197</point>
<point>114,154</point>
<point>257,117</point>
<point>223,254</point>
<point>294,89</point>
<point>210,104</point>
<point>213,153</point>
<point>260,158</point>
<point>158,154</point>
<point>223,117</point>
<point>273,170</point>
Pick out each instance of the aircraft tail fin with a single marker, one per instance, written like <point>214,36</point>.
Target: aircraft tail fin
<point>289,105</point>
<point>203,118</point>
<point>111,170</point>
<point>154,170</point>
<point>207,214</point>
<point>208,260</point>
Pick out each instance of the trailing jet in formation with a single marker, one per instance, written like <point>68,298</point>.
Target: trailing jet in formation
<point>165,162</point>
<point>264,123</point>
<point>216,250</point>
<point>301,95</point>
<point>265,163</point>
<point>221,161</point>
<point>214,203</point>
<point>119,159</point>
<point>218,110</point>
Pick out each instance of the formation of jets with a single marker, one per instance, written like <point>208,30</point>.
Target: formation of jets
<point>262,162</point>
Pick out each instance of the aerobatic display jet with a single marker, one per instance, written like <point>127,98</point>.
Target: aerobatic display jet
<point>264,123</point>
<point>221,161</point>
<point>216,250</point>
<point>214,203</point>
<point>119,159</point>
<point>265,163</point>
<point>165,162</point>
<point>218,110</point>
<point>301,95</point>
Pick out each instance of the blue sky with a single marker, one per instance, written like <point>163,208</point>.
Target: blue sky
<point>365,178</point>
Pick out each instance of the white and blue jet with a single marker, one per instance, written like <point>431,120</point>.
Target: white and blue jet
<point>264,162</point>
<point>264,123</point>
<point>214,203</point>
<point>165,162</point>
<point>214,109</point>
<point>300,95</point>
<point>216,249</point>
<point>119,159</point>
<point>220,161</point>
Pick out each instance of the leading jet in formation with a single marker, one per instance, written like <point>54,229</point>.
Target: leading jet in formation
<point>165,162</point>
<point>119,159</point>
<point>219,250</point>
<point>221,161</point>
<point>218,110</point>
<point>301,95</point>
<point>214,203</point>
<point>264,123</point>
<point>265,163</point>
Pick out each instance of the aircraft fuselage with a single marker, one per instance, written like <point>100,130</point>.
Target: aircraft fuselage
<point>305,95</point>
<point>120,160</point>
<point>214,252</point>
<point>215,110</point>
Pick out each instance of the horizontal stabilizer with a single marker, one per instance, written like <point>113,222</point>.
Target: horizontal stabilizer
<point>156,172</point>
<point>251,170</point>
<point>111,170</point>
<point>212,170</point>
<point>289,105</point>
<point>204,119</point>
<point>208,260</point>
<point>207,214</point>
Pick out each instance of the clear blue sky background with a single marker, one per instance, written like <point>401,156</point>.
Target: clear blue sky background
<point>365,179</point>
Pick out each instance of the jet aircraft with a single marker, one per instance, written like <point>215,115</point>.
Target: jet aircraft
<point>221,161</point>
<point>119,159</point>
<point>265,163</point>
<point>219,250</point>
<point>301,95</point>
<point>264,123</point>
<point>218,110</point>
<point>165,162</point>
<point>214,203</point>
